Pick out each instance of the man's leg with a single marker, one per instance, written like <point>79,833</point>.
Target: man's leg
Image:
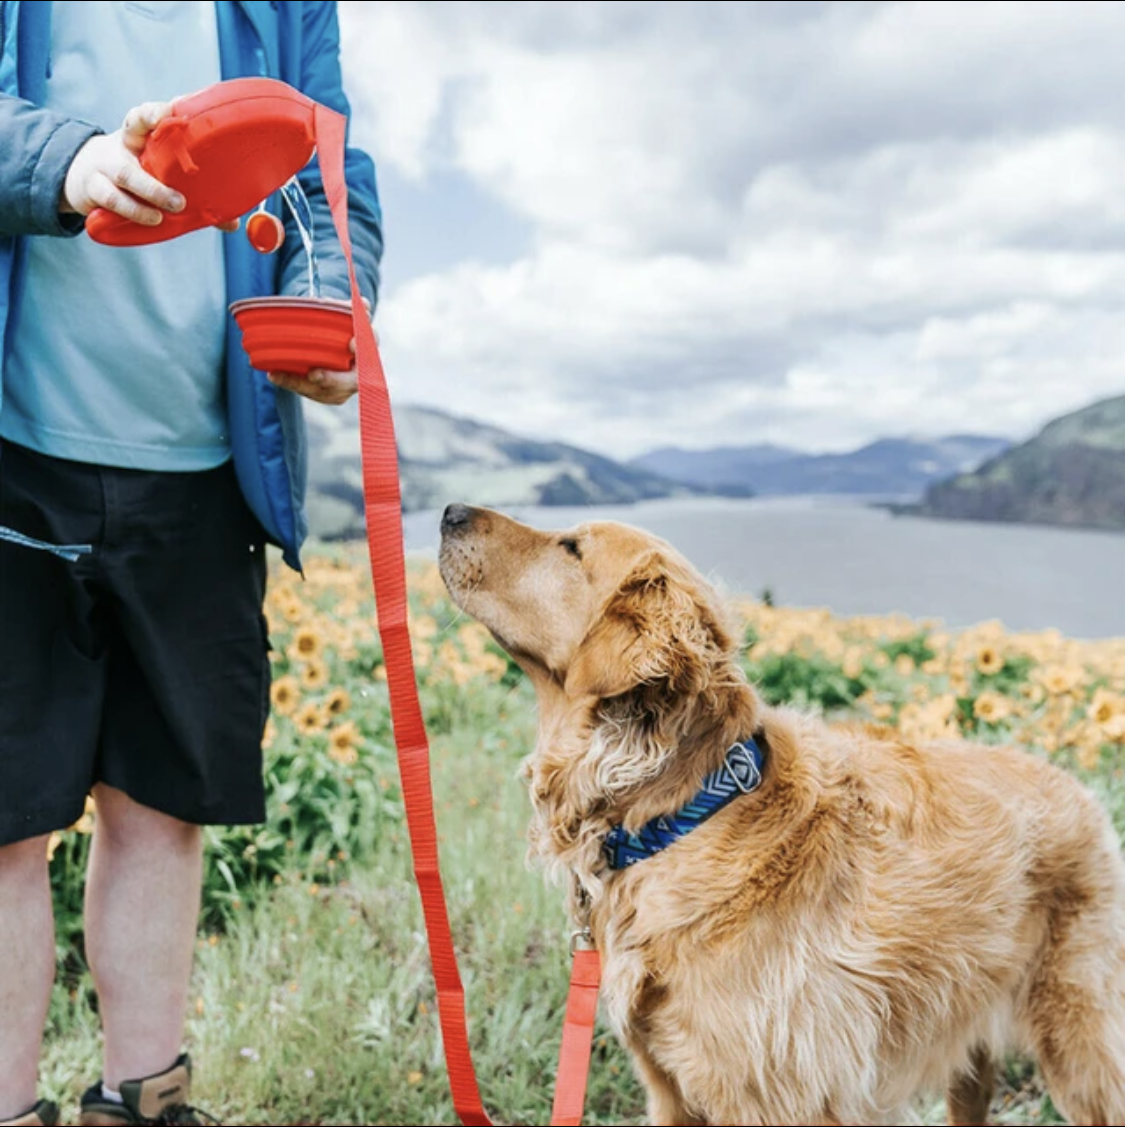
<point>187,690</point>
<point>27,970</point>
<point>142,911</point>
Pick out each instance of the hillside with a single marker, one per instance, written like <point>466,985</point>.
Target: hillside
<point>892,467</point>
<point>1072,473</point>
<point>445,458</point>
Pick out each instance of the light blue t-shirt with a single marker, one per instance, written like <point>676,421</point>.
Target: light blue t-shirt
<point>117,352</point>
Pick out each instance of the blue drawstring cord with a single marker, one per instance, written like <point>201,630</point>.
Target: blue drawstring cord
<point>69,552</point>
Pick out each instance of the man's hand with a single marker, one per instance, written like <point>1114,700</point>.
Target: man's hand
<point>106,173</point>
<point>319,385</point>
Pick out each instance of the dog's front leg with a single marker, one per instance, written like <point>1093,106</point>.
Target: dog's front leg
<point>970,1092</point>
<point>666,1106</point>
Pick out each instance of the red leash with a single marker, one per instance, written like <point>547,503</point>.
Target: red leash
<point>383,506</point>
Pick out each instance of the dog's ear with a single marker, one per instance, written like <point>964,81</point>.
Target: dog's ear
<point>659,626</point>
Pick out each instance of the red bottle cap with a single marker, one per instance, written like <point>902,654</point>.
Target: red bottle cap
<point>265,232</point>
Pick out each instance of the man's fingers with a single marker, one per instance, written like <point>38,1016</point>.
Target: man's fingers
<point>140,121</point>
<point>333,388</point>
<point>103,192</point>
<point>134,180</point>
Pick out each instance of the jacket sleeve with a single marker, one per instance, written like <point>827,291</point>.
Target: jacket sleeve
<point>321,80</point>
<point>36,148</point>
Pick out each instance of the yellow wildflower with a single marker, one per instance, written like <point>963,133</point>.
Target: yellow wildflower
<point>991,708</point>
<point>1104,706</point>
<point>310,719</point>
<point>285,694</point>
<point>338,701</point>
<point>315,674</point>
<point>1058,679</point>
<point>989,660</point>
<point>342,741</point>
<point>1114,728</point>
<point>307,644</point>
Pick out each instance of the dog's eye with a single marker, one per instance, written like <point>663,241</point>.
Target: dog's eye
<point>571,545</point>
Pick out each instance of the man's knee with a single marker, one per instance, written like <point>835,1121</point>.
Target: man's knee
<point>126,824</point>
<point>24,860</point>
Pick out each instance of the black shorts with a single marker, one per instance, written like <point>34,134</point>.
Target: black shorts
<point>144,665</point>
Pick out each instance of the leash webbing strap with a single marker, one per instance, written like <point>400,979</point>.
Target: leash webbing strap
<point>577,1040</point>
<point>383,509</point>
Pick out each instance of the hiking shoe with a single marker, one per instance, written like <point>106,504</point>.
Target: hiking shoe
<point>43,1114</point>
<point>162,1098</point>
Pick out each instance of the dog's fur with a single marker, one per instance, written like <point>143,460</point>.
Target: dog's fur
<point>878,919</point>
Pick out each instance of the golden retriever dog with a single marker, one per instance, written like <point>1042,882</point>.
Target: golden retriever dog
<point>862,920</point>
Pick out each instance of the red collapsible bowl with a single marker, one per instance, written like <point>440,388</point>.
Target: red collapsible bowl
<point>225,149</point>
<point>296,334</point>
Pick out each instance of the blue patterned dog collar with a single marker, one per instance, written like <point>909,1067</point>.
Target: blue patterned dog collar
<point>741,773</point>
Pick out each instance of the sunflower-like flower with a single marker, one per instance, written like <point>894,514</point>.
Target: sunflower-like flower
<point>307,644</point>
<point>1104,707</point>
<point>310,719</point>
<point>1059,678</point>
<point>315,674</point>
<point>285,695</point>
<point>989,660</point>
<point>992,708</point>
<point>337,702</point>
<point>1115,728</point>
<point>343,741</point>
<point>288,604</point>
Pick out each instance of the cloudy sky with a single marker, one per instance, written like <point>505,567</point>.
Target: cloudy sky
<point>629,225</point>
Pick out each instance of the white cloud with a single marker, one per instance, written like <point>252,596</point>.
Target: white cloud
<point>808,223</point>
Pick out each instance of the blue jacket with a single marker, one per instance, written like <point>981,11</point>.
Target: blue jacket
<point>297,42</point>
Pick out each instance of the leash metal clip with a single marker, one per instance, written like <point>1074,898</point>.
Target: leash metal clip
<point>581,940</point>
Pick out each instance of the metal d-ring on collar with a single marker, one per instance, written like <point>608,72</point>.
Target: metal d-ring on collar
<point>741,773</point>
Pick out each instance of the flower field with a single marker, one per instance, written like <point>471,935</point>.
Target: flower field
<point>314,999</point>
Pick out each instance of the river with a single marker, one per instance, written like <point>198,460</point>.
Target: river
<point>855,558</point>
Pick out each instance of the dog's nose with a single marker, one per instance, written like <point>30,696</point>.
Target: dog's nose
<point>455,517</point>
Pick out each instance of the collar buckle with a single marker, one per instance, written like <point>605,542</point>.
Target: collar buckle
<point>743,764</point>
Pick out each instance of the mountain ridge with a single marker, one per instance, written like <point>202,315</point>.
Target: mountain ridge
<point>1070,474</point>
<point>891,466</point>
